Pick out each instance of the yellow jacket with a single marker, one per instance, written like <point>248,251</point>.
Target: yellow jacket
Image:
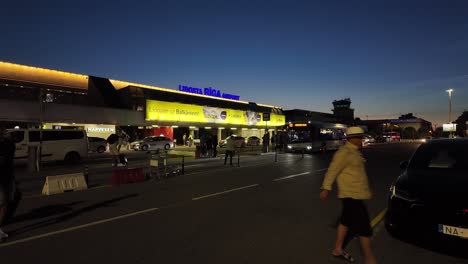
<point>347,168</point>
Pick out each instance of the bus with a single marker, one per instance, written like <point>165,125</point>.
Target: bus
<point>315,136</point>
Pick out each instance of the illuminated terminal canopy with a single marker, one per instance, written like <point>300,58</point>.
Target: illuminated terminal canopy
<point>190,113</point>
<point>17,72</point>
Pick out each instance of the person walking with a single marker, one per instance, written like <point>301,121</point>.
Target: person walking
<point>190,140</point>
<point>184,139</point>
<point>215,145</point>
<point>266,142</point>
<point>209,145</point>
<point>7,180</point>
<point>230,148</point>
<point>348,170</point>
<point>113,141</point>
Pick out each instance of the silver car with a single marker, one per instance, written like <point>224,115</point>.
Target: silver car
<point>153,143</point>
<point>97,144</point>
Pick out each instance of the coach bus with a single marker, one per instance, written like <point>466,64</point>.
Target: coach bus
<point>315,136</point>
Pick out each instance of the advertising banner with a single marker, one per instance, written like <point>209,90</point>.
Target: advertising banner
<point>449,127</point>
<point>189,113</point>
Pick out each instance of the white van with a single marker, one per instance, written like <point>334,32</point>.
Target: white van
<point>68,145</point>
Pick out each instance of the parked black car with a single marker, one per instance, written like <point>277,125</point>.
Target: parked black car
<point>430,197</point>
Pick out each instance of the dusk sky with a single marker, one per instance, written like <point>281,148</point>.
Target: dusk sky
<point>390,57</point>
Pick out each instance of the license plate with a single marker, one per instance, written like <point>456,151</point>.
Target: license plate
<point>453,231</point>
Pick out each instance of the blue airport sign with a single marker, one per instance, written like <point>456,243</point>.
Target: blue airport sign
<point>208,91</point>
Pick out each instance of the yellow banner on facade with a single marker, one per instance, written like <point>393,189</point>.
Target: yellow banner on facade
<point>189,113</point>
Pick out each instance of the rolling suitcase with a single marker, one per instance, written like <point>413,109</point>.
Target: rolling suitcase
<point>123,159</point>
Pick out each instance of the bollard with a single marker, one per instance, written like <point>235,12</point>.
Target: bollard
<point>238,158</point>
<point>183,165</point>
<point>86,174</point>
<point>33,158</point>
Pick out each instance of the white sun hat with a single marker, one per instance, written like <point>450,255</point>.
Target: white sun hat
<point>355,132</point>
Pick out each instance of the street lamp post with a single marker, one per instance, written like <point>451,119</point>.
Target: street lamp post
<point>450,91</point>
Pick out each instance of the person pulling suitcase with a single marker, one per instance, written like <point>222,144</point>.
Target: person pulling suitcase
<point>119,158</point>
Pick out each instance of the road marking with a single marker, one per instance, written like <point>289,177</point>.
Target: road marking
<point>291,176</point>
<point>77,227</point>
<point>378,218</point>
<point>228,191</point>
<point>324,169</point>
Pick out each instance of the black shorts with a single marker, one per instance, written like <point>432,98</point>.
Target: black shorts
<point>355,217</point>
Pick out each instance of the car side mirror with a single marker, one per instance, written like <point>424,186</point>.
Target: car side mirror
<point>404,165</point>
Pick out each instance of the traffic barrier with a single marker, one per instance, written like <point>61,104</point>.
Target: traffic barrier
<point>64,183</point>
<point>124,176</point>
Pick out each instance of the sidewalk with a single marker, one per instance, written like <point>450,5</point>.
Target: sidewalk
<point>100,174</point>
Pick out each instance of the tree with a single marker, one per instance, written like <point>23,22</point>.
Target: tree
<point>423,132</point>
<point>461,123</point>
<point>409,133</point>
<point>407,116</point>
<point>439,132</point>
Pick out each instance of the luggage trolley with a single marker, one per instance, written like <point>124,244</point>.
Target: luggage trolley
<point>160,167</point>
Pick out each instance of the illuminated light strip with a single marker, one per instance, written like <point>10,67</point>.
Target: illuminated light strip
<point>39,75</point>
<point>123,84</point>
<point>120,84</point>
<point>50,84</point>
<point>9,64</point>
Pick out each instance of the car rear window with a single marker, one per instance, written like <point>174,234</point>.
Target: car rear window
<point>441,156</point>
<point>17,136</point>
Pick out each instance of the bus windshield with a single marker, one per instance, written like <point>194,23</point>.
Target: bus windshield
<point>312,133</point>
<point>299,135</point>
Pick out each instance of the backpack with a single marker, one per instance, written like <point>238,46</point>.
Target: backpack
<point>112,139</point>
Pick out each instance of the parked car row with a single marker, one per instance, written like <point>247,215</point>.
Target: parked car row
<point>99,145</point>
<point>240,141</point>
<point>368,139</point>
<point>152,143</point>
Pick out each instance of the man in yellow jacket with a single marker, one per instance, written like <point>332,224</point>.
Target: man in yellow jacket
<point>348,170</point>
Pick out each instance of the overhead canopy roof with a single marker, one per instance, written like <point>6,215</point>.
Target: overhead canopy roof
<point>52,78</point>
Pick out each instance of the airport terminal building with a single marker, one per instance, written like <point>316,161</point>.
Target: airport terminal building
<point>30,96</point>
